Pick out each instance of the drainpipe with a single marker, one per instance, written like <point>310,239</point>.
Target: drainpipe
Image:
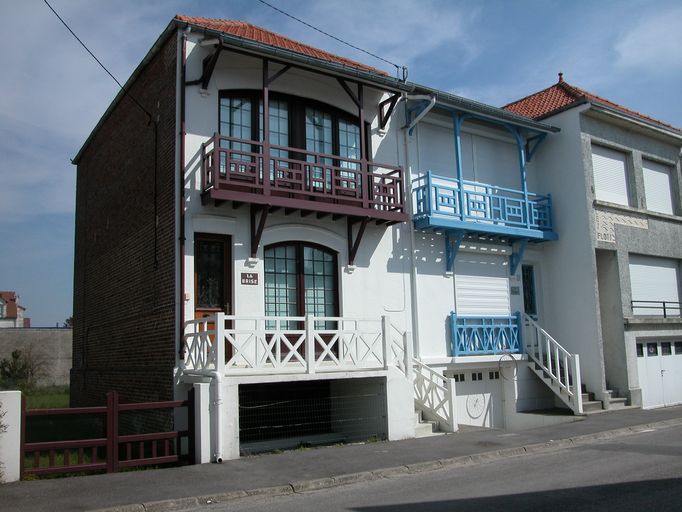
<point>427,97</point>
<point>408,203</point>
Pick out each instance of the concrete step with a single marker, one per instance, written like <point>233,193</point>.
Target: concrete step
<point>617,403</point>
<point>592,406</point>
<point>588,396</point>
<point>425,428</point>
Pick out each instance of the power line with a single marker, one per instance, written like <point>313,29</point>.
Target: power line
<point>397,67</point>
<point>99,62</point>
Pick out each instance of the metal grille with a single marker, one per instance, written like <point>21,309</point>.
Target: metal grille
<point>292,414</point>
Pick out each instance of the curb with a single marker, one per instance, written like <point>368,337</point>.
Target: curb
<point>178,504</point>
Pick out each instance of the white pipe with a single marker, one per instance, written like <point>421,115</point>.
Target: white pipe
<point>216,380</point>
<point>432,101</point>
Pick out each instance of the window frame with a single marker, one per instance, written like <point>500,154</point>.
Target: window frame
<point>296,106</point>
<point>299,246</point>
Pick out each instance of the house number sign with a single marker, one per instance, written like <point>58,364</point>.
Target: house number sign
<point>250,278</point>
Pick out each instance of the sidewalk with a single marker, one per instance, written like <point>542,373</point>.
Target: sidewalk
<point>308,469</point>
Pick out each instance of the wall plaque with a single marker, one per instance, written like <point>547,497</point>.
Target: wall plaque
<point>250,278</point>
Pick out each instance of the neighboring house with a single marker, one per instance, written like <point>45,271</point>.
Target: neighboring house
<point>11,313</point>
<point>615,272</point>
<point>385,245</point>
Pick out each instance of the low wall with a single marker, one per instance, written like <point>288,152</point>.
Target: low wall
<point>51,346</point>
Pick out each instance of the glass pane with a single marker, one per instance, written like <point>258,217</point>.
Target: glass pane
<point>666,348</point>
<point>528,280</point>
<point>640,350</point>
<point>651,349</point>
<point>210,270</point>
<point>678,348</point>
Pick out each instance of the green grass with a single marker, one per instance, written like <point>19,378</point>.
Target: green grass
<point>48,397</point>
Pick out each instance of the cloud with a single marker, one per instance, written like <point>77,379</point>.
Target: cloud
<point>653,44</point>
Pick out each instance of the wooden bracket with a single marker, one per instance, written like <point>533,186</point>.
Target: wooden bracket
<point>274,77</point>
<point>353,245</point>
<point>350,93</point>
<point>384,116</point>
<point>257,232</point>
<point>452,244</point>
<point>517,255</point>
<point>208,66</point>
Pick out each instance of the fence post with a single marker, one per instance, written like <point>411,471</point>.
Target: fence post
<point>191,427</point>
<point>220,342</point>
<point>112,432</point>
<point>385,340</point>
<point>577,384</point>
<point>451,399</point>
<point>408,355</point>
<point>310,343</point>
<point>22,434</point>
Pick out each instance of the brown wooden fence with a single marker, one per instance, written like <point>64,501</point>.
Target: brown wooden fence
<point>112,452</point>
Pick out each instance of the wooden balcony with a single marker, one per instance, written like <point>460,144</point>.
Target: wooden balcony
<point>475,207</point>
<point>257,173</point>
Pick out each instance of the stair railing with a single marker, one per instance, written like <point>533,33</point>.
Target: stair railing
<point>435,395</point>
<point>562,367</point>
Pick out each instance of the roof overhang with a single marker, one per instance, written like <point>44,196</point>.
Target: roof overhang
<point>661,131</point>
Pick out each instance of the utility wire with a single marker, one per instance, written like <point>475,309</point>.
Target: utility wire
<point>397,67</point>
<point>151,119</point>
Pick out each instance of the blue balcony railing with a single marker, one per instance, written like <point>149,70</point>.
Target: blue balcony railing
<point>438,203</point>
<point>483,335</point>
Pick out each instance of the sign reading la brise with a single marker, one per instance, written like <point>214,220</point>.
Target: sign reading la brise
<point>250,278</point>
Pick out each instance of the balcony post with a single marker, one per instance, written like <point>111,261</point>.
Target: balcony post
<point>457,125</point>
<point>385,341</point>
<point>310,343</point>
<point>453,334</point>
<point>219,341</point>
<point>265,157</point>
<point>366,182</point>
<point>522,167</point>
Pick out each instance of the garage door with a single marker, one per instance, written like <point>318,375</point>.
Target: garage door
<point>659,365</point>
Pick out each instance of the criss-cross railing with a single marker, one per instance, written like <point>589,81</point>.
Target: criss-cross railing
<point>483,335</point>
<point>283,345</point>
<point>434,395</point>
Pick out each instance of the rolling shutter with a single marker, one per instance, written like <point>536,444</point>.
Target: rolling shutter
<point>657,187</point>
<point>610,175</point>
<point>653,279</point>
<point>481,285</point>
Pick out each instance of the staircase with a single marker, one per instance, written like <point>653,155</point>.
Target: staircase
<point>556,367</point>
<point>424,427</point>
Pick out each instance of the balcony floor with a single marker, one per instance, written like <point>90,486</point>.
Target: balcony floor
<point>500,230</point>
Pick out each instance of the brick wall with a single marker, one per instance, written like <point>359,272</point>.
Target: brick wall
<point>124,275</point>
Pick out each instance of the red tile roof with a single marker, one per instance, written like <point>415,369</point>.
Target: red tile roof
<point>560,95</point>
<point>260,35</point>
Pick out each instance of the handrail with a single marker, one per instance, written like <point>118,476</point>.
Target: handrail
<point>435,395</point>
<point>474,201</point>
<point>664,305</point>
<point>561,367</point>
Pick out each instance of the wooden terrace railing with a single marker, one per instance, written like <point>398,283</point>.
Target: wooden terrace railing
<point>250,171</point>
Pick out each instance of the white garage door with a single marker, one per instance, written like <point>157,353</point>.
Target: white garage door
<point>479,397</point>
<point>659,365</point>
<point>653,281</point>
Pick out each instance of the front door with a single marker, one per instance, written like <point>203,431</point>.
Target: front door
<point>212,276</point>
<point>530,301</point>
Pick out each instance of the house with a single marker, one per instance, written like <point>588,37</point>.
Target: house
<point>11,312</point>
<point>615,272</point>
<point>383,247</point>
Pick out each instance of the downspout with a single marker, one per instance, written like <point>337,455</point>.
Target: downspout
<point>408,202</point>
<point>215,376</point>
<point>427,97</point>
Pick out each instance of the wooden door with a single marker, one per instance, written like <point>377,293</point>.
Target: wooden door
<point>212,275</point>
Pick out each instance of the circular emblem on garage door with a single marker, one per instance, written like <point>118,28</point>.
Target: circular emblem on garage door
<point>475,405</point>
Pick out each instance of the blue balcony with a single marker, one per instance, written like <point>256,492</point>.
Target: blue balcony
<point>485,335</point>
<point>472,207</point>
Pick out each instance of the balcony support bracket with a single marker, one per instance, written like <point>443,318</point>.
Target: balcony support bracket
<point>518,249</point>
<point>353,245</point>
<point>384,116</point>
<point>532,144</point>
<point>453,240</point>
<point>257,231</point>
<point>208,66</point>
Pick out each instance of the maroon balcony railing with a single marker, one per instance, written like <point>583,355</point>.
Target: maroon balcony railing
<point>250,171</point>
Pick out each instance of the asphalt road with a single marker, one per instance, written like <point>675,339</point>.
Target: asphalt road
<point>641,472</point>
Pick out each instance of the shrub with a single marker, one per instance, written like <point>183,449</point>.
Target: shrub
<point>22,370</point>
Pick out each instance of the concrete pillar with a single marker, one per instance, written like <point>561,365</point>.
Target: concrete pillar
<point>202,422</point>
<point>10,436</point>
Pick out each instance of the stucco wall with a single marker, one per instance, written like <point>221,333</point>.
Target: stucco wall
<point>50,346</point>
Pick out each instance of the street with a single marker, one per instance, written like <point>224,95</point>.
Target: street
<point>638,472</point>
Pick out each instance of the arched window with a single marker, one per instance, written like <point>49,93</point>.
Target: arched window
<point>300,279</point>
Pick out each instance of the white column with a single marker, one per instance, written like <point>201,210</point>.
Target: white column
<point>202,423</point>
<point>10,440</point>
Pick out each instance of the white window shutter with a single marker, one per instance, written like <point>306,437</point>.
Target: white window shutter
<point>610,175</point>
<point>654,279</point>
<point>482,285</point>
<point>657,187</point>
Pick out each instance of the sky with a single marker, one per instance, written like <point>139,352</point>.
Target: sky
<point>52,93</point>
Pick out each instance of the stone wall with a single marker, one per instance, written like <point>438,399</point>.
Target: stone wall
<point>53,346</point>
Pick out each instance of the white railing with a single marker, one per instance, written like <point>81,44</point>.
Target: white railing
<point>285,345</point>
<point>558,364</point>
<point>435,395</point>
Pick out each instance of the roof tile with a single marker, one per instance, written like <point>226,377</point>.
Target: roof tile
<point>248,31</point>
<point>552,99</point>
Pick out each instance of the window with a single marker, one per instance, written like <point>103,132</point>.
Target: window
<point>528,279</point>
<point>640,350</point>
<point>678,348</point>
<point>477,376</point>
<point>654,281</point>
<point>2,308</point>
<point>610,175</point>
<point>651,349</point>
<point>657,190</point>
<point>301,279</point>
<point>494,375</point>
<point>666,348</point>
<point>459,377</point>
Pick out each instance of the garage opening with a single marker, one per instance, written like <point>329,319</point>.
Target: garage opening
<point>284,415</point>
